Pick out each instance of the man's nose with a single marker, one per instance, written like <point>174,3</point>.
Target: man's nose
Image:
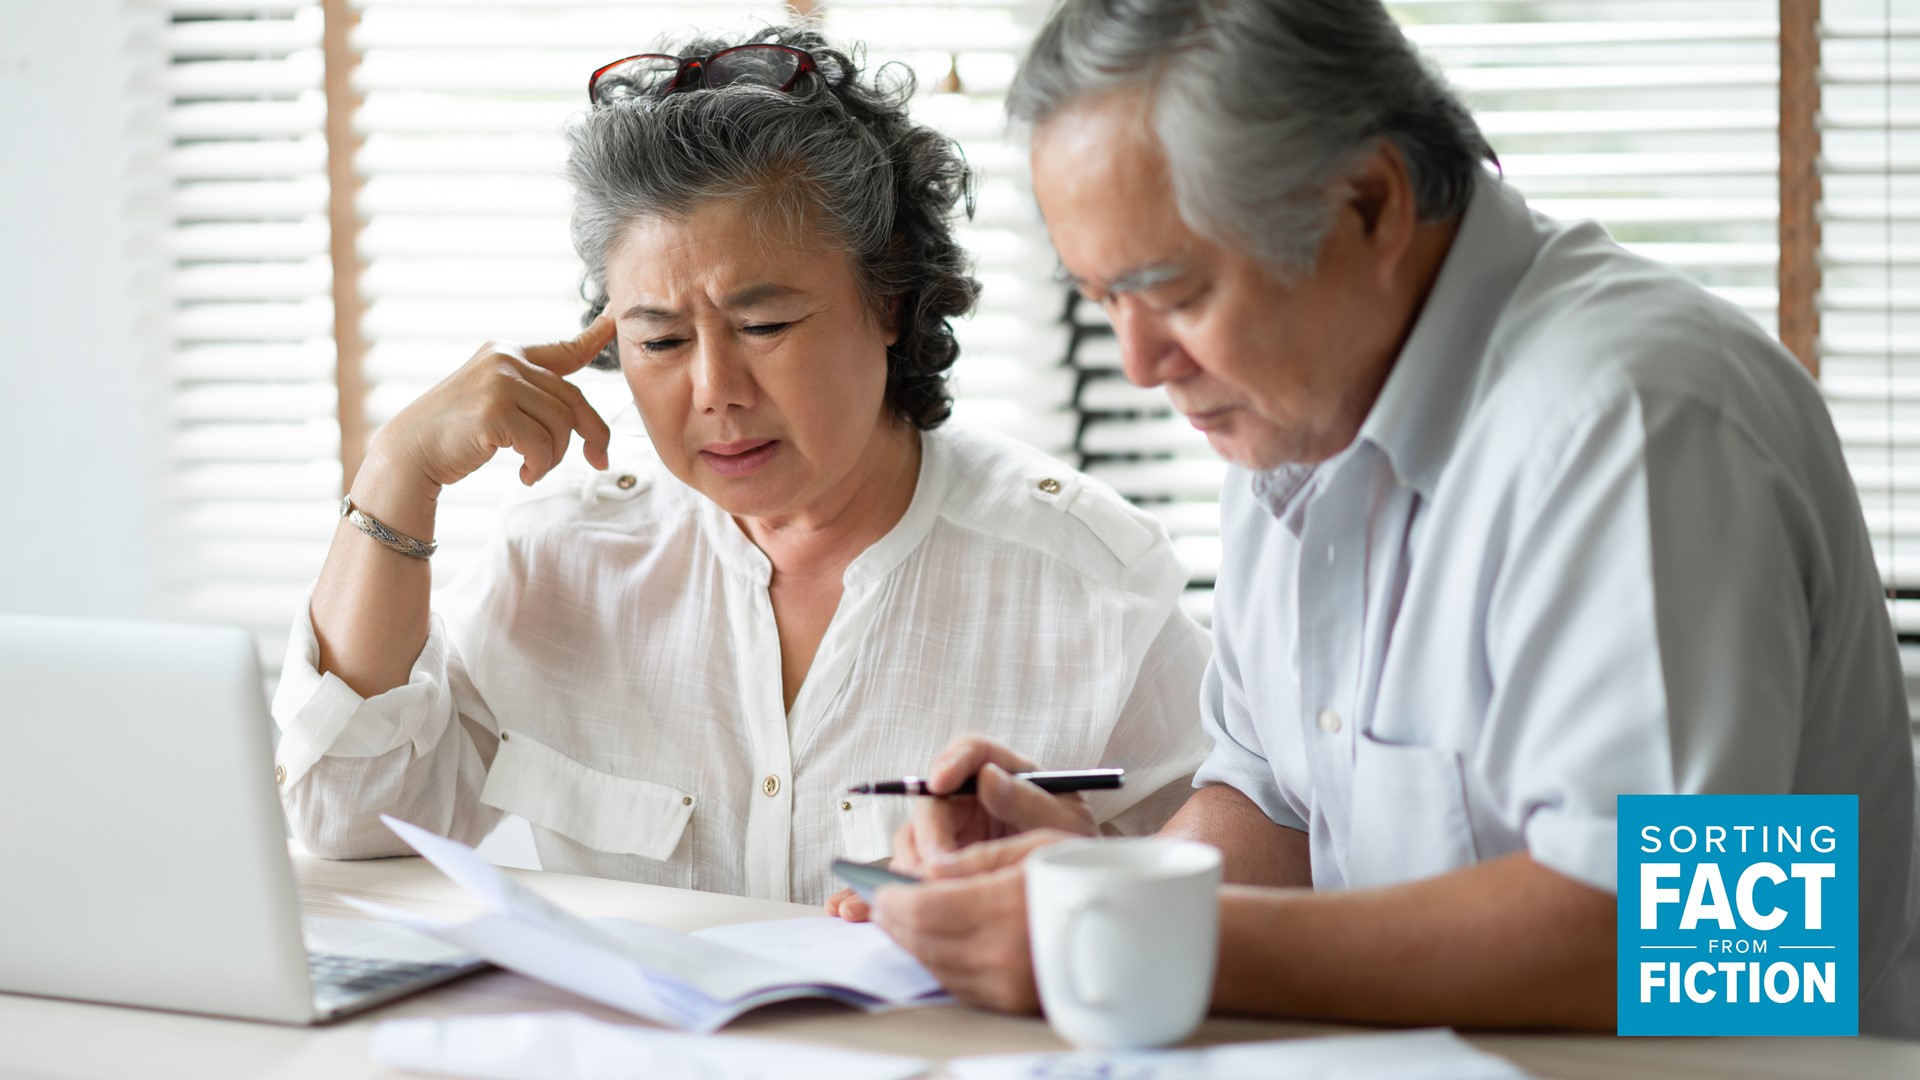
<point>1149,355</point>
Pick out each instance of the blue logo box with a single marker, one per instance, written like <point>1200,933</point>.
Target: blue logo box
<point>1739,915</point>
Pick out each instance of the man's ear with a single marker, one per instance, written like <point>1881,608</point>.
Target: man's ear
<point>1379,192</point>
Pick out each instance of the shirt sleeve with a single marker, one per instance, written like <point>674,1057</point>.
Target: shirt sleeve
<point>1237,758</point>
<point>1649,629</point>
<point>419,751</point>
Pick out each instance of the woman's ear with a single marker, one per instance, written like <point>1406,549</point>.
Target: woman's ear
<point>890,328</point>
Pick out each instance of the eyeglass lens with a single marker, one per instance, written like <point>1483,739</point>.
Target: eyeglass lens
<point>753,66</point>
<point>647,74</point>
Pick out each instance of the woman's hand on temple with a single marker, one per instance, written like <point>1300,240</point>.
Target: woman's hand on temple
<point>505,396</point>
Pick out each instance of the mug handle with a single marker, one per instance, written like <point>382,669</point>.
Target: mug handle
<point>1080,907</point>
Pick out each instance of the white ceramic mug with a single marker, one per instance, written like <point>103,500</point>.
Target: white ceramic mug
<point>1124,934</point>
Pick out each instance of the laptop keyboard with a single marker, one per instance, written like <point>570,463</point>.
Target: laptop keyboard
<point>355,975</point>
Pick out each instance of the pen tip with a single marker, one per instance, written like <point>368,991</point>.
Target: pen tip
<point>858,789</point>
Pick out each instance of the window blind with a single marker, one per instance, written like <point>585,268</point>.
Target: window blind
<point>1869,301</point>
<point>235,184</point>
<point>1657,120</point>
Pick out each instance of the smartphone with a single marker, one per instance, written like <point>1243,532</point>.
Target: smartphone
<point>865,879</point>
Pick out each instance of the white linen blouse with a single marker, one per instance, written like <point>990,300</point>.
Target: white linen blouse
<point>610,671</point>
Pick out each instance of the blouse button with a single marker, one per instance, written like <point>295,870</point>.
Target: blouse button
<point>1050,486</point>
<point>626,482</point>
<point>1329,721</point>
<point>279,774</point>
<point>846,806</point>
<point>686,800</point>
<point>771,785</point>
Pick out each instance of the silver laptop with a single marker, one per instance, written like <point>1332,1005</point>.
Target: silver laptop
<point>143,856</point>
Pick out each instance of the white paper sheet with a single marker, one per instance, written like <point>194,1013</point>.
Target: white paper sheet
<point>856,955</point>
<point>568,1046</point>
<point>1404,1055</point>
<point>697,982</point>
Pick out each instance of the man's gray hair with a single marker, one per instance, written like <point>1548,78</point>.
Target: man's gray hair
<point>835,159</point>
<point>1262,107</point>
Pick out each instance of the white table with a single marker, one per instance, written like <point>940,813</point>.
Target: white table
<point>41,1038</point>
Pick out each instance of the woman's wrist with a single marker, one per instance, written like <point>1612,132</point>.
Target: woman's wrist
<point>400,495</point>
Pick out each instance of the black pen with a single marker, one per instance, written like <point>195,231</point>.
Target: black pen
<point>1056,782</point>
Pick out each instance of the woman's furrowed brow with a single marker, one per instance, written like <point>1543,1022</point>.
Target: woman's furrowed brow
<point>739,298</point>
<point>649,312</point>
<point>759,294</point>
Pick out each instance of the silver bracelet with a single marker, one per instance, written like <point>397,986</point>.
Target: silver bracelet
<point>374,527</point>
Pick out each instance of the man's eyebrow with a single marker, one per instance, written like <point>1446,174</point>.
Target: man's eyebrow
<point>1142,278</point>
<point>1138,279</point>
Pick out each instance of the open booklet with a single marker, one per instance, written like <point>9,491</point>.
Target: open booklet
<point>698,982</point>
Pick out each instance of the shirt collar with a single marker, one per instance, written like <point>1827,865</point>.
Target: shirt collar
<point>1285,493</point>
<point>929,497</point>
<point>1443,368</point>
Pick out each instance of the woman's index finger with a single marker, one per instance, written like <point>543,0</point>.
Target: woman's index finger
<point>567,357</point>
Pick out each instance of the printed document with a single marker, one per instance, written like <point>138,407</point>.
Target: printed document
<point>699,982</point>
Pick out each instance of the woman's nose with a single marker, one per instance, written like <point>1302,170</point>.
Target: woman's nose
<point>720,377</point>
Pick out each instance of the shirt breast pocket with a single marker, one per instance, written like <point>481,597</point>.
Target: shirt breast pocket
<point>615,815</point>
<point>867,828</point>
<point>1409,814</point>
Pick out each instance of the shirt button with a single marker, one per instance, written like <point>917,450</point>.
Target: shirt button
<point>626,482</point>
<point>846,806</point>
<point>771,785</point>
<point>1050,486</point>
<point>1329,721</point>
<point>279,774</point>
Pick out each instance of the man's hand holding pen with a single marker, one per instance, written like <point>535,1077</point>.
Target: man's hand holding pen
<point>1002,806</point>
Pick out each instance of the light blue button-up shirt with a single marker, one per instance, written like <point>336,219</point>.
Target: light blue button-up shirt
<point>1595,537</point>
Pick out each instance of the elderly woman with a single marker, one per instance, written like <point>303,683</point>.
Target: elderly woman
<point>675,670</point>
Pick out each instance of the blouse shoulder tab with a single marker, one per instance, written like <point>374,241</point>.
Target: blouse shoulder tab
<point>1104,513</point>
<point>575,490</point>
<point>1026,496</point>
<point>615,485</point>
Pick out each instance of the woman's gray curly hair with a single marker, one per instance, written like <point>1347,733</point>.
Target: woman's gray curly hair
<point>836,155</point>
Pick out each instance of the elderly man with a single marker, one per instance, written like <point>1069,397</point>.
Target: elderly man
<point>1518,522</point>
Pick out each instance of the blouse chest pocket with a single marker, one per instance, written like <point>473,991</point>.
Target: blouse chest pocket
<point>618,815</point>
<point>1409,814</point>
<point>867,826</point>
